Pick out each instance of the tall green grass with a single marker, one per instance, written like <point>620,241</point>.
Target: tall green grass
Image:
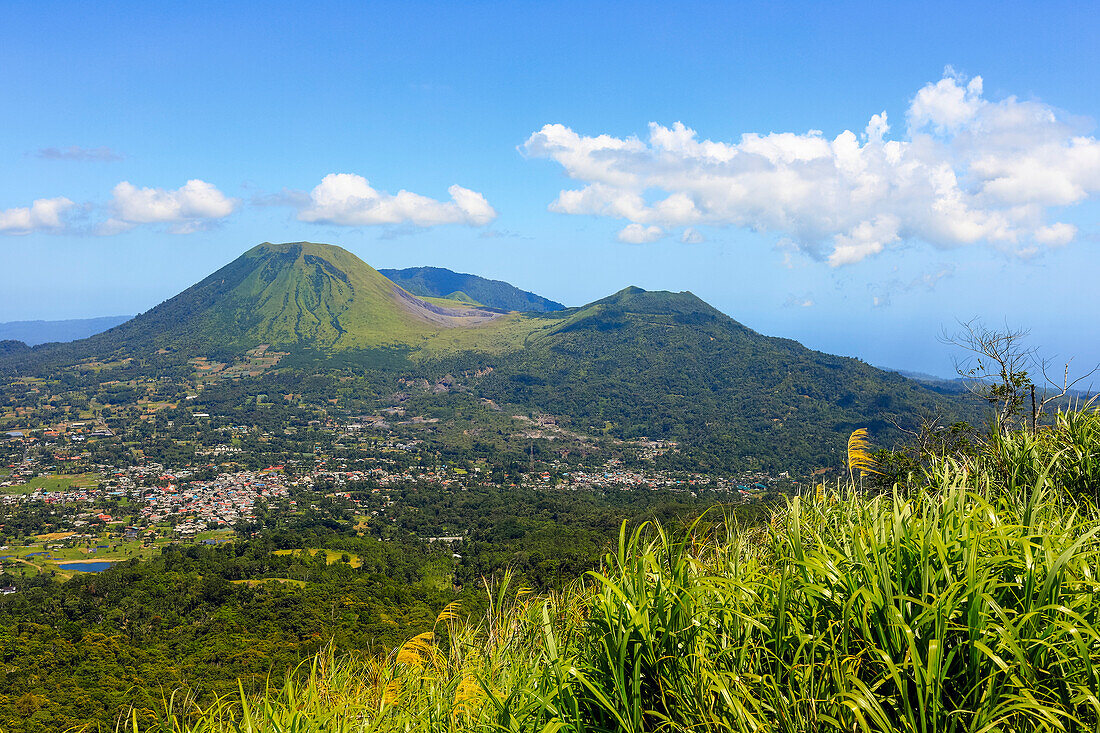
<point>965,601</point>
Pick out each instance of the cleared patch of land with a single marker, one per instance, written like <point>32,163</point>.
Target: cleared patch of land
<point>58,482</point>
<point>332,556</point>
<point>453,314</point>
<point>261,581</point>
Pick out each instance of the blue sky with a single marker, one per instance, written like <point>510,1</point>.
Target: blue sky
<point>538,143</point>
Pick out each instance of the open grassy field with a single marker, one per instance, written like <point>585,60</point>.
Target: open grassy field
<point>361,521</point>
<point>331,556</point>
<point>54,536</point>
<point>59,482</point>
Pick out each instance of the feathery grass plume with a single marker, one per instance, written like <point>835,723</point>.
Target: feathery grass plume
<point>391,693</point>
<point>449,613</point>
<point>859,455</point>
<point>467,695</point>
<point>417,651</point>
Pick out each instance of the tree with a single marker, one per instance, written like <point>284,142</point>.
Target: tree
<point>999,371</point>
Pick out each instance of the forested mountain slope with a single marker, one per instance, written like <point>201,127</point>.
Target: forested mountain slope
<point>656,364</point>
<point>443,283</point>
<point>669,366</point>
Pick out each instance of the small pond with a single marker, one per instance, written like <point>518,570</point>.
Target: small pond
<point>86,567</point>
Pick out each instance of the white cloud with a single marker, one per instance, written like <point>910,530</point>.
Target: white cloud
<point>966,170</point>
<point>866,238</point>
<point>349,200</point>
<point>1056,235</point>
<point>42,215</point>
<point>947,104</point>
<point>692,235</point>
<point>189,208</point>
<point>877,128</point>
<point>638,234</point>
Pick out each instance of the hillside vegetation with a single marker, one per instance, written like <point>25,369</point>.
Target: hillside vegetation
<point>82,650</point>
<point>964,599</point>
<point>668,365</point>
<point>300,293</point>
<point>661,365</point>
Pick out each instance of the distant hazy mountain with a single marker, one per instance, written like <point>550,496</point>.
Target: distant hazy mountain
<point>920,376</point>
<point>960,386</point>
<point>442,283</point>
<point>41,332</point>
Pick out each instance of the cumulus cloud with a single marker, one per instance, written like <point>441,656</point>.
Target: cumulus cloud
<point>638,234</point>
<point>965,170</point>
<point>192,207</point>
<point>1056,235</point>
<point>947,104</point>
<point>346,199</point>
<point>866,238</point>
<point>75,152</point>
<point>43,215</point>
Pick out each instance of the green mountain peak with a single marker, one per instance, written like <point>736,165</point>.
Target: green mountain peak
<point>657,302</point>
<point>302,294</point>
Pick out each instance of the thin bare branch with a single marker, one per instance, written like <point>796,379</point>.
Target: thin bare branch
<point>998,370</point>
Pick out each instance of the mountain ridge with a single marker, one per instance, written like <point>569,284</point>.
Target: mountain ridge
<point>443,283</point>
<point>39,331</point>
<point>636,363</point>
